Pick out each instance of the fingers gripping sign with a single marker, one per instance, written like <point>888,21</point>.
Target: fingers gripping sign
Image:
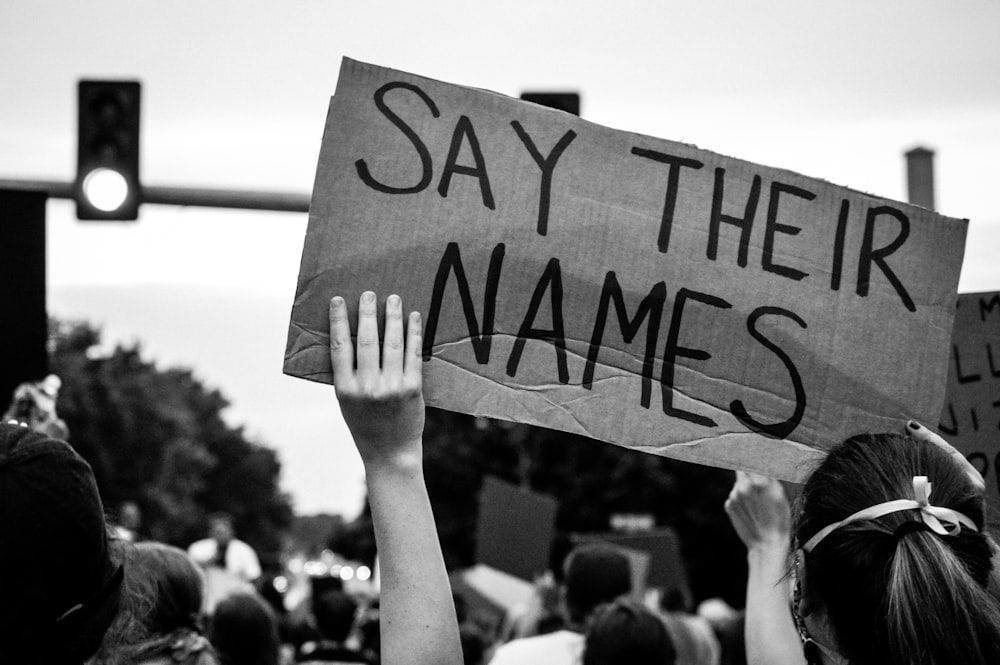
<point>921,433</point>
<point>381,398</point>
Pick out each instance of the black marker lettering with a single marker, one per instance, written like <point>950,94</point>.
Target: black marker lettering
<point>838,245</point>
<point>963,378</point>
<point>551,281</point>
<point>546,164</point>
<point>672,351</point>
<point>651,307</point>
<point>670,199</point>
<point>464,130</point>
<point>994,372</point>
<point>422,152</point>
<point>772,227</point>
<point>951,429</point>
<point>980,462</point>
<point>870,255</point>
<point>451,261</point>
<point>779,430</point>
<point>745,224</point>
<point>987,306</point>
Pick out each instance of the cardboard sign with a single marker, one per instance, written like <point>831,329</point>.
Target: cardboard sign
<point>622,287</point>
<point>515,529</point>
<point>664,569</point>
<point>970,419</point>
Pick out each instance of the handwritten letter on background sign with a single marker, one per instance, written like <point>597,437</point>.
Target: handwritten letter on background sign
<point>627,288</point>
<point>971,415</point>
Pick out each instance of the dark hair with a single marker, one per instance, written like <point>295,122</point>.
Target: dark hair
<point>595,573</point>
<point>245,631</point>
<point>895,598</point>
<point>334,612</point>
<point>175,584</point>
<point>627,632</point>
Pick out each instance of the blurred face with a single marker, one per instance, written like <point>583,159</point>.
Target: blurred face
<point>221,530</point>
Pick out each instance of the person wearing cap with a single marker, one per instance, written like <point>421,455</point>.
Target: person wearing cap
<point>595,573</point>
<point>890,563</point>
<point>60,582</point>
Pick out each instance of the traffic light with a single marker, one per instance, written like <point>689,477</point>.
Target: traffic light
<point>107,167</point>
<point>563,101</point>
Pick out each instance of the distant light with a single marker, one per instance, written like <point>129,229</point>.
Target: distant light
<point>280,584</point>
<point>316,568</point>
<point>364,573</point>
<point>346,573</point>
<point>295,565</point>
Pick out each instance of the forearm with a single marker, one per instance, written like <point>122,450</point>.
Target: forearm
<point>419,626</point>
<point>771,636</point>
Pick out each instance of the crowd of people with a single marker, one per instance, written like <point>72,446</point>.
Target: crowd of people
<point>867,568</point>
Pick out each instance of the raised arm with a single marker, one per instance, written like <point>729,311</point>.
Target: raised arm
<point>760,513</point>
<point>383,406</point>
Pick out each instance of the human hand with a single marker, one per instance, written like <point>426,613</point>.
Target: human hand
<point>382,403</point>
<point>921,433</point>
<point>759,511</point>
<point>34,406</point>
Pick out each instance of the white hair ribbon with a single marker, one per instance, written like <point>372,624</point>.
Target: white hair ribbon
<point>940,520</point>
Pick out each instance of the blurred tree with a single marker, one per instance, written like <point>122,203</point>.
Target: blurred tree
<point>310,534</point>
<point>158,437</point>
<point>591,480</point>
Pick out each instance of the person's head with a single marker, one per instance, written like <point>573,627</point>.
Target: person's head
<point>129,515</point>
<point>334,612</point>
<point>474,643</point>
<point>245,631</point>
<point>887,588</point>
<point>220,527</point>
<point>60,585</point>
<point>625,631</point>
<point>175,583</point>
<point>593,574</point>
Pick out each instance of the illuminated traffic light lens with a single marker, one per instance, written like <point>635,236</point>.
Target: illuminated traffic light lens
<point>105,189</point>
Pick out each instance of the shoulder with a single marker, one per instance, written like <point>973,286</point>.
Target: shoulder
<point>243,548</point>
<point>200,546</point>
<point>562,647</point>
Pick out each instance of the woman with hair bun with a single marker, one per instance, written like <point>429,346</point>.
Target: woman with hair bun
<point>890,562</point>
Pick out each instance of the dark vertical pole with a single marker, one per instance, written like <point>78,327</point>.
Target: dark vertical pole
<point>23,318</point>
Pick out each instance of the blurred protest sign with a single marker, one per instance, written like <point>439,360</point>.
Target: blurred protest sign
<point>515,529</point>
<point>663,567</point>
<point>970,419</point>
<point>623,287</point>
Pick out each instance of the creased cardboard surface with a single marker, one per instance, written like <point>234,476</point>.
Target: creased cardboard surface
<point>752,317</point>
<point>970,419</point>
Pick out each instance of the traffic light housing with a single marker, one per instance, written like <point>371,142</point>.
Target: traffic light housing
<point>563,101</point>
<point>107,185</point>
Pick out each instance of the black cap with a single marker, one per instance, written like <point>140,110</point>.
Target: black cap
<point>59,588</point>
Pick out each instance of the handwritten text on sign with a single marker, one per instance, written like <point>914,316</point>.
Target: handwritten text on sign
<point>627,288</point>
<point>971,416</point>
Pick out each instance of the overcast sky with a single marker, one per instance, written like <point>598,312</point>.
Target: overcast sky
<point>235,95</point>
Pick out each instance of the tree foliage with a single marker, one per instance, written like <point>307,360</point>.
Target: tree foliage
<point>158,437</point>
<point>591,481</point>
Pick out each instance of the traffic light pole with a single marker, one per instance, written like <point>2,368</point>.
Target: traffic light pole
<point>182,196</point>
<point>23,319</point>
